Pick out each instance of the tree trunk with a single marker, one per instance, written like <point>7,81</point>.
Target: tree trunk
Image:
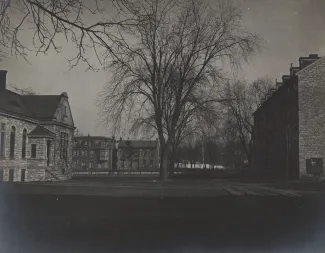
<point>165,160</point>
<point>163,165</point>
<point>171,160</point>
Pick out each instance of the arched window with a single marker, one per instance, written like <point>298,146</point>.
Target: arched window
<point>23,147</point>
<point>12,142</point>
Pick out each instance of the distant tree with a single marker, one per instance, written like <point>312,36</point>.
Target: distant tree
<point>22,91</point>
<point>239,112</point>
<point>77,132</point>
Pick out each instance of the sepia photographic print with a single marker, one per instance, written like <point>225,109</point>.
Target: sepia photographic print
<point>162,126</point>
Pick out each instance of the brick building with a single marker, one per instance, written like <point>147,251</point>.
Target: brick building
<point>35,136</point>
<point>138,155</point>
<point>94,153</point>
<point>288,134</point>
<point>99,153</point>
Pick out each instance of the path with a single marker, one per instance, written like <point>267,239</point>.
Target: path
<point>149,188</point>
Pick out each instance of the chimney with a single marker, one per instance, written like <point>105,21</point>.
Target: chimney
<point>64,94</point>
<point>313,56</point>
<point>3,82</point>
<point>306,61</point>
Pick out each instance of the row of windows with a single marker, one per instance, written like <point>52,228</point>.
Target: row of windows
<point>12,141</point>
<point>63,144</point>
<point>83,153</point>
<point>84,164</point>
<point>90,144</point>
<point>143,164</point>
<point>135,152</point>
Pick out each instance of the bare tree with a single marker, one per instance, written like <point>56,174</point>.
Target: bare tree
<point>69,19</point>
<point>22,91</point>
<point>239,112</point>
<point>77,132</point>
<point>168,68</point>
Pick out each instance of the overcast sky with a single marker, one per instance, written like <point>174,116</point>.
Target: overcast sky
<point>291,28</point>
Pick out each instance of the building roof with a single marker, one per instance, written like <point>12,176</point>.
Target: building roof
<point>305,63</point>
<point>87,137</point>
<point>13,103</point>
<point>40,131</point>
<point>42,106</point>
<point>39,107</point>
<point>137,144</point>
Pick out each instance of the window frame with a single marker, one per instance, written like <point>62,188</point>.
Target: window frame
<point>24,144</point>
<point>2,140</point>
<point>12,142</point>
<point>32,154</point>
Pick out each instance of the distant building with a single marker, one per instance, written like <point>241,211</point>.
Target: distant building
<point>94,153</point>
<point>289,134</point>
<point>35,136</point>
<point>138,155</point>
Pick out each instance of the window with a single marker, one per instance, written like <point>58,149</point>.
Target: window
<point>91,152</point>
<point>83,165</point>
<point>144,163</point>
<point>86,144</point>
<point>33,151</point>
<point>74,164</point>
<point>75,153</point>
<point>64,143</point>
<point>23,148</point>
<point>99,166</point>
<point>151,163</point>
<point>151,153</point>
<point>82,153</point>
<point>143,152</point>
<point>2,139</point>
<point>12,142</point>
<point>122,164</point>
<point>91,164</point>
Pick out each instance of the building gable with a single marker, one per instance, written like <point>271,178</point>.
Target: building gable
<point>63,112</point>
<point>317,67</point>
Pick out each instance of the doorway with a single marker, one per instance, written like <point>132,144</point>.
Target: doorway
<point>23,175</point>
<point>11,175</point>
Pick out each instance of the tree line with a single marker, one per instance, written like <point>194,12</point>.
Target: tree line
<point>169,61</point>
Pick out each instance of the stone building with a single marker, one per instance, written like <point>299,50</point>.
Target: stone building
<point>138,155</point>
<point>288,134</point>
<point>35,136</point>
<point>93,153</point>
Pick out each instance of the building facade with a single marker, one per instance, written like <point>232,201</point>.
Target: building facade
<point>103,154</point>
<point>138,155</point>
<point>288,134</point>
<point>94,153</point>
<point>35,136</point>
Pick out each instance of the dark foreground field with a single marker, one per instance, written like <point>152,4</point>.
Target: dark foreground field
<point>224,223</point>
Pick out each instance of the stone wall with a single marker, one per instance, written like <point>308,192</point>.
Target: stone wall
<point>20,125</point>
<point>57,162</point>
<point>311,97</point>
<point>33,166</point>
<point>41,152</point>
<point>35,174</point>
